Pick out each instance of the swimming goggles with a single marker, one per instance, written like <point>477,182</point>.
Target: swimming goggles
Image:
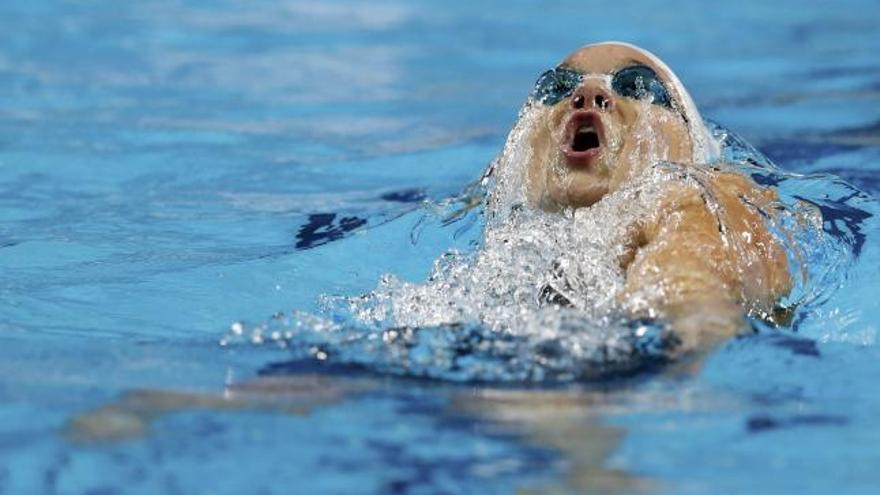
<point>638,82</point>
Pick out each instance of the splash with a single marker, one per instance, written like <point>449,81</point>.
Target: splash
<point>535,297</point>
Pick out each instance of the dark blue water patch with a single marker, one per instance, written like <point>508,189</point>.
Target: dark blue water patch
<point>325,227</point>
<point>832,72</point>
<point>303,366</point>
<point>842,220</point>
<point>768,179</point>
<point>391,381</point>
<point>793,153</point>
<point>322,228</point>
<point>868,130</point>
<point>866,180</point>
<point>798,346</point>
<point>778,395</point>
<point>405,196</point>
<point>763,423</point>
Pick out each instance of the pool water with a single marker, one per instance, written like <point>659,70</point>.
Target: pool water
<point>171,168</point>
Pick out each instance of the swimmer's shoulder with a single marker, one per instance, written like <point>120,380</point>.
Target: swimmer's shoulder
<point>745,188</point>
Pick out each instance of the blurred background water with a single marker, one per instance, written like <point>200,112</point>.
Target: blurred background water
<point>169,167</point>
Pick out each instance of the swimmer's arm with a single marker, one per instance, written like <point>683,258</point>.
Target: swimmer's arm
<point>673,274</point>
<point>748,208</point>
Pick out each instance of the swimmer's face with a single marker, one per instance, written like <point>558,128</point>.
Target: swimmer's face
<point>604,115</point>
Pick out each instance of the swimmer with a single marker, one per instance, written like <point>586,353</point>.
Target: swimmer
<point>703,258</point>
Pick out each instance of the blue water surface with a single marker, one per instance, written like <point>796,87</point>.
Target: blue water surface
<point>170,167</point>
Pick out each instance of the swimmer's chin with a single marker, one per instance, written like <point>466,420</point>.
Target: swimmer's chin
<point>579,190</point>
<point>555,184</point>
<point>585,195</point>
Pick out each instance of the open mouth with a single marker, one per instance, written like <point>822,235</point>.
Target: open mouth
<point>584,143</point>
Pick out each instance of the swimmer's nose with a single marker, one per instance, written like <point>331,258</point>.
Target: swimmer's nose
<point>591,97</point>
